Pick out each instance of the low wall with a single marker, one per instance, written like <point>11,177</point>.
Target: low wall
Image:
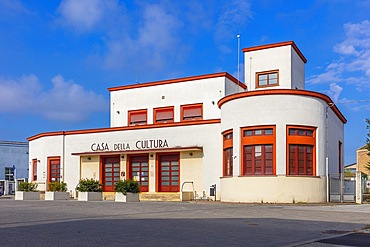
<point>274,189</point>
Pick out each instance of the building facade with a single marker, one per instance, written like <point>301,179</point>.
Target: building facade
<point>362,160</point>
<point>13,165</point>
<point>268,140</point>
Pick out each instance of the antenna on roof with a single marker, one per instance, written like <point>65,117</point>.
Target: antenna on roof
<point>238,37</point>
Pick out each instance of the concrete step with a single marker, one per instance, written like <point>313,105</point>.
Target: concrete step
<point>160,196</point>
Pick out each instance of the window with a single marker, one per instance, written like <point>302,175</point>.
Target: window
<point>258,160</point>
<point>9,174</point>
<point>163,115</point>
<point>191,112</point>
<point>54,169</point>
<point>300,159</point>
<point>267,79</point>
<point>258,150</point>
<point>34,170</point>
<point>138,117</point>
<point>228,154</point>
<point>301,143</point>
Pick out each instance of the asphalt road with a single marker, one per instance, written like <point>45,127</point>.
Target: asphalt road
<point>108,223</point>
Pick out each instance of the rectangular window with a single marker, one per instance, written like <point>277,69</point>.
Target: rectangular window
<point>191,112</point>
<point>258,150</point>
<point>228,161</point>
<point>300,160</point>
<point>258,160</point>
<point>9,174</point>
<point>228,155</point>
<point>267,79</point>
<point>34,170</point>
<point>163,115</point>
<point>137,117</point>
<point>301,144</point>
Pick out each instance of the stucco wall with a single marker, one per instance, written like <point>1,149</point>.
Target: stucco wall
<point>274,189</point>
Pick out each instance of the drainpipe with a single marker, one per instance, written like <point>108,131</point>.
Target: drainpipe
<point>327,150</point>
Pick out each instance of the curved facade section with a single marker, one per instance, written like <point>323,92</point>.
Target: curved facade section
<point>280,145</point>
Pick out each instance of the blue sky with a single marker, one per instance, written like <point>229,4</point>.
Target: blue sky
<point>57,58</point>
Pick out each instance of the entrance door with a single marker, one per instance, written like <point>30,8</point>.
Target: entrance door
<point>168,171</point>
<point>139,171</point>
<point>53,169</point>
<point>111,170</point>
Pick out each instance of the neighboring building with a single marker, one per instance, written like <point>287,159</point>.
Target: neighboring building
<point>269,140</point>
<point>362,159</point>
<point>12,154</point>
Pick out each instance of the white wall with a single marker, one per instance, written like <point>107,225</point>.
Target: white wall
<point>279,110</point>
<point>206,91</point>
<point>282,58</point>
<point>206,136</point>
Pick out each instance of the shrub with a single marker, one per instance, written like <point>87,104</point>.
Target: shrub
<point>89,185</point>
<point>58,186</point>
<point>127,186</point>
<point>27,187</point>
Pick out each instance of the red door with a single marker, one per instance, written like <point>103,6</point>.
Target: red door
<point>54,169</point>
<point>139,171</point>
<point>111,170</point>
<point>168,173</point>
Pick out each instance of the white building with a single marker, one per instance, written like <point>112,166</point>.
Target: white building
<point>267,141</point>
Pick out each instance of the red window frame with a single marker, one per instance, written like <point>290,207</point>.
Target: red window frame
<point>163,115</point>
<point>301,150</point>
<point>54,169</point>
<point>34,169</point>
<point>137,117</point>
<point>257,162</point>
<point>258,159</point>
<point>192,112</point>
<point>269,80</point>
<point>228,156</point>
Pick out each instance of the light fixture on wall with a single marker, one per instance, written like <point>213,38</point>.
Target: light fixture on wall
<point>191,154</point>
<point>213,102</point>
<point>89,158</point>
<point>122,156</point>
<point>151,155</point>
<point>118,112</point>
<point>38,161</point>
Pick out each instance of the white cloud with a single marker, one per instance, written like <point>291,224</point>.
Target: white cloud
<point>353,64</point>
<point>66,101</point>
<point>335,91</point>
<point>85,15</point>
<point>234,14</point>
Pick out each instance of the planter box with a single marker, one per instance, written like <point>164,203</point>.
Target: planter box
<point>90,196</point>
<point>130,197</point>
<point>22,195</point>
<point>54,195</point>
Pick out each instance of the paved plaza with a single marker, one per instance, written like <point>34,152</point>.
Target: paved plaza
<point>108,223</point>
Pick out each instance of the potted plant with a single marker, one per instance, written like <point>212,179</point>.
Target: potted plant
<point>27,191</point>
<point>57,191</point>
<point>89,190</point>
<point>127,191</point>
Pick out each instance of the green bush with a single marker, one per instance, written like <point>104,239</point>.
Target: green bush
<point>89,185</point>
<point>58,186</point>
<point>127,186</point>
<point>27,187</point>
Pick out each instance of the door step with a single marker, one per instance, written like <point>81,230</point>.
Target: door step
<point>160,196</point>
